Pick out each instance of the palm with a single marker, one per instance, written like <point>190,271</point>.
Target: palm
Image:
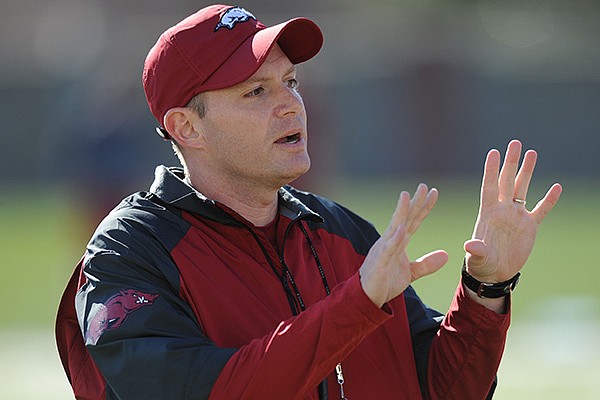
<point>508,233</point>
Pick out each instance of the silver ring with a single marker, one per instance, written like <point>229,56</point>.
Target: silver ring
<point>519,201</point>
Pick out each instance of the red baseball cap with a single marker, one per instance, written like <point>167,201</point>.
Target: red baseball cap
<point>218,47</point>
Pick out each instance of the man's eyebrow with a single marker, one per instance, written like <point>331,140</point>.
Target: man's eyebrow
<point>292,70</point>
<point>256,79</point>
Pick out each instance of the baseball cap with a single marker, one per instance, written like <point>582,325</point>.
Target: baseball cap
<point>218,47</point>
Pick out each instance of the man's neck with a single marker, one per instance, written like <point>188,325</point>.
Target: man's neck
<point>257,205</point>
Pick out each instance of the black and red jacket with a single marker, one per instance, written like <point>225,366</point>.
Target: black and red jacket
<point>178,297</point>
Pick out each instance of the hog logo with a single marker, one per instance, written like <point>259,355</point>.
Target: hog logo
<point>112,314</point>
<point>233,16</point>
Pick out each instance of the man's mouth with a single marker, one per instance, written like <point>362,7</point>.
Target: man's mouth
<point>290,139</point>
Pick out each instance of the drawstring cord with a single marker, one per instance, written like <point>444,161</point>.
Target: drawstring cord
<point>297,297</point>
<point>323,390</point>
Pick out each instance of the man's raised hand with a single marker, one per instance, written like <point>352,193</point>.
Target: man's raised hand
<point>386,271</point>
<point>505,230</point>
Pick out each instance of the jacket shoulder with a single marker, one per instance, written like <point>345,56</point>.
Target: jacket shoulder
<point>140,232</point>
<point>144,215</point>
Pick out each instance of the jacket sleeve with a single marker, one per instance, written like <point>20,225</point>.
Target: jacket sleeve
<point>468,348</point>
<point>158,350</point>
<point>316,340</point>
<point>459,358</point>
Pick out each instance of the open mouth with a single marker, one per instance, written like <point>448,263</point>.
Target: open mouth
<point>290,139</point>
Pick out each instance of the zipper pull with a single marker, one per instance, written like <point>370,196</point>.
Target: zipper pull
<point>340,380</point>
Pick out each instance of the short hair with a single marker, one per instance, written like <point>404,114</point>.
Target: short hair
<point>198,104</point>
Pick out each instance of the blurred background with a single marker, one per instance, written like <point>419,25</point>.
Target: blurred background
<point>403,91</point>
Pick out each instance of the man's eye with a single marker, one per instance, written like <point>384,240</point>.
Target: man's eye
<point>293,83</point>
<point>255,92</point>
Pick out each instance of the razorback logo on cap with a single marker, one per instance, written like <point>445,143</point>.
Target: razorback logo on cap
<point>233,16</point>
<point>112,314</point>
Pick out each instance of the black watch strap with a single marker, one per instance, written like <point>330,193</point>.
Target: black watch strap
<point>489,290</point>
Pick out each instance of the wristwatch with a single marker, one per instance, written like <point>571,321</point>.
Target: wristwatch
<point>489,290</point>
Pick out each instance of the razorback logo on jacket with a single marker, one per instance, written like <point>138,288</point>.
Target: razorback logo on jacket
<point>112,314</point>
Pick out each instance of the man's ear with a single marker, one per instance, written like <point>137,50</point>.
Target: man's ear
<point>179,122</point>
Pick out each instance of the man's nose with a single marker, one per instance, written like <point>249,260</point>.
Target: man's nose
<point>289,102</point>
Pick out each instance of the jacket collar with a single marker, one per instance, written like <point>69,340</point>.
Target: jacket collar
<point>169,186</point>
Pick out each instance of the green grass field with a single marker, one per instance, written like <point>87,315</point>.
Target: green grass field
<point>552,346</point>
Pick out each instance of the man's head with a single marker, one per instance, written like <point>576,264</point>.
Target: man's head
<point>224,88</point>
<point>215,48</point>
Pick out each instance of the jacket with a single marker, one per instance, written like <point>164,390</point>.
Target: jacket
<point>179,297</point>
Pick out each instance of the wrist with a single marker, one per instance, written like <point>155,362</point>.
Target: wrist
<point>499,305</point>
<point>488,290</point>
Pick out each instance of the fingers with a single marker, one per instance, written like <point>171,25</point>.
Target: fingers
<point>411,212</point>
<point>421,204</point>
<point>545,205</point>
<point>418,200</point>
<point>506,182</point>
<point>400,214</point>
<point>524,175</point>
<point>489,184</point>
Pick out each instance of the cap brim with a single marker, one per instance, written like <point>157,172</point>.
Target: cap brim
<point>299,38</point>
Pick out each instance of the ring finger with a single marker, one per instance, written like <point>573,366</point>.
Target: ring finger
<point>524,176</point>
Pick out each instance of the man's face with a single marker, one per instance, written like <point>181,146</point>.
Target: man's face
<point>256,131</point>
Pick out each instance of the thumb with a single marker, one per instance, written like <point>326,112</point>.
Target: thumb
<point>428,264</point>
<point>477,252</point>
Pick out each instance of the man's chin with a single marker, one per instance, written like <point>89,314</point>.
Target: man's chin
<point>297,175</point>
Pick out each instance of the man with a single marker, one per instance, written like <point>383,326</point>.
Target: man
<point>223,282</point>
